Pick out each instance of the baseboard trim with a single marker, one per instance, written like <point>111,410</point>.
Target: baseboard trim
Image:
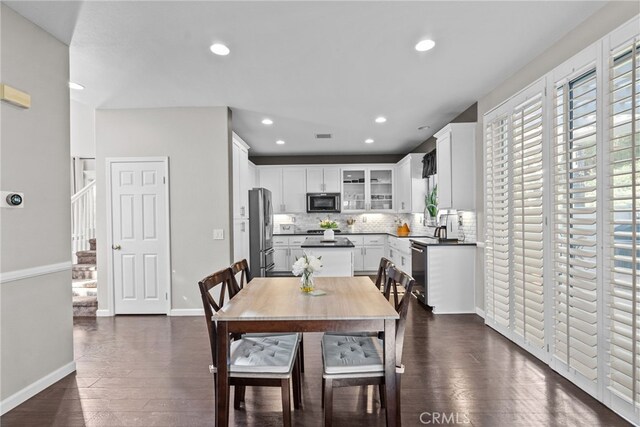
<point>40,270</point>
<point>480,312</point>
<point>186,312</point>
<point>36,387</point>
<point>103,313</point>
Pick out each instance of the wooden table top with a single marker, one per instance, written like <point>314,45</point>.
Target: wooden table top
<point>280,298</point>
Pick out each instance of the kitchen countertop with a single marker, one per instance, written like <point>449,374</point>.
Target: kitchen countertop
<point>317,242</point>
<point>355,233</point>
<point>435,242</point>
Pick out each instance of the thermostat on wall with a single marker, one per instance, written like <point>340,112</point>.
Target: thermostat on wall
<point>11,199</point>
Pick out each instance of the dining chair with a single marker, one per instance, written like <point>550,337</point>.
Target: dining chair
<point>253,360</point>
<point>350,360</point>
<point>242,267</point>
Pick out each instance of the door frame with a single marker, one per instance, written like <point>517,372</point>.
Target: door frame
<point>111,290</point>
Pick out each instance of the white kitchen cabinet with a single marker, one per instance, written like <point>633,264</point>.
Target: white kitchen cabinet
<point>240,239</point>
<point>367,188</point>
<point>367,252</point>
<point>240,177</point>
<point>286,250</point>
<point>323,179</point>
<point>455,153</point>
<point>288,186</point>
<point>399,253</point>
<point>411,188</point>
<point>253,176</point>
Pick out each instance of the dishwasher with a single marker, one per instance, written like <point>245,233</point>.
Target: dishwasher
<point>419,272</point>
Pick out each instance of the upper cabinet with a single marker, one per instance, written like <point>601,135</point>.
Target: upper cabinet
<point>411,188</point>
<point>288,186</point>
<point>367,188</point>
<point>455,145</point>
<point>241,178</point>
<point>323,179</point>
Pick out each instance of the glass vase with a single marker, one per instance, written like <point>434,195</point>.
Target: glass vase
<point>306,283</point>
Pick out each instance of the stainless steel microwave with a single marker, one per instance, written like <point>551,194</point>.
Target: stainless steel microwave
<point>323,202</point>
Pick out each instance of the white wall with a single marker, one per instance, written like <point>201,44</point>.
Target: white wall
<point>198,144</point>
<point>611,16</point>
<point>36,331</point>
<point>83,126</point>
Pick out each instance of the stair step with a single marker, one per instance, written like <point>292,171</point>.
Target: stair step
<point>84,271</point>
<point>92,244</point>
<point>84,292</point>
<point>85,306</point>
<point>86,257</point>
<point>84,283</point>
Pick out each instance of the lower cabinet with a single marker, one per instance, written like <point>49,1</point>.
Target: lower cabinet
<point>367,252</point>
<point>286,249</point>
<point>399,253</point>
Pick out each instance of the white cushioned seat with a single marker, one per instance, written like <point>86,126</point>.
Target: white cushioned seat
<point>349,354</point>
<point>263,354</point>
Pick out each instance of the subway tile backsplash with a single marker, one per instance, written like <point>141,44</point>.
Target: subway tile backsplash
<point>370,223</point>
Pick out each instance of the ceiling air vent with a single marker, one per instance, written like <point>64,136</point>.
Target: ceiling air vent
<point>323,136</point>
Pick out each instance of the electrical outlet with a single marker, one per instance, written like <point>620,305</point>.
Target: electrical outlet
<point>218,234</point>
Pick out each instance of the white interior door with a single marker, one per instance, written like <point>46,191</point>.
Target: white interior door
<point>139,236</point>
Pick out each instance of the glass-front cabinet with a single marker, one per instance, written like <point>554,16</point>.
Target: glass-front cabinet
<point>367,189</point>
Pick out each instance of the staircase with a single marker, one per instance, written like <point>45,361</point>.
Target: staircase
<point>84,282</point>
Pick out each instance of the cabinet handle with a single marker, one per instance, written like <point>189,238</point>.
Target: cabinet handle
<point>390,253</point>
<point>242,227</point>
<point>365,251</point>
<point>402,205</point>
<point>242,211</point>
<point>402,260</point>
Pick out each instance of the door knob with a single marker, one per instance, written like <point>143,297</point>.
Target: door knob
<point>116,247</point>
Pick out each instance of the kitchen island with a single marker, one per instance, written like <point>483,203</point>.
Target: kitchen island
<point>337,255</point>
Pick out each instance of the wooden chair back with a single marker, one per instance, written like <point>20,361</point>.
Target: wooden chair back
<point>243,268</point>
<point>222,283</point>
<point>395,279</point>
<point>381,278</point>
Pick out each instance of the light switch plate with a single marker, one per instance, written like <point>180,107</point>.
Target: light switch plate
<point>218,234</point>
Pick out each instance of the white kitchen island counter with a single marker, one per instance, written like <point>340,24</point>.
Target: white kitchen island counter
<point>337,255</point>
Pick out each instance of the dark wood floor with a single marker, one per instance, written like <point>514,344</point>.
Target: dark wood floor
<point>152,371</point>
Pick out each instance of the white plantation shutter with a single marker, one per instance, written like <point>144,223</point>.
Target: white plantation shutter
<point>574,234</point>
<point>497,222</point>
<point>624,223</point>
<point>527,228</point>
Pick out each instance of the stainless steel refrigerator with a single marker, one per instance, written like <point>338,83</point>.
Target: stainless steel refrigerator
<point>261,232</point>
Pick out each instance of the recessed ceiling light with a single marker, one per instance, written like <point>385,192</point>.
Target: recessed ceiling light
<point>219,49</point>
<point>75,86</point>
<point>267,122</point>
<point>381,119</point>
<point>368,141</point>
<point>425,45</point>
<point>280,142</point>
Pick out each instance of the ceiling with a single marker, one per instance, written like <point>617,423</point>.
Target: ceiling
<point>311,67</point>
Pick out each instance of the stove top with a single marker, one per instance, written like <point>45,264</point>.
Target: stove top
<point>321,231</point>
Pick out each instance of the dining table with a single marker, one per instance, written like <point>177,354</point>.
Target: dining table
<point>276,304</point>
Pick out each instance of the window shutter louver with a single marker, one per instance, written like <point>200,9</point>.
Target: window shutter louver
<point>574,234</point>
<point>624,224</point>
<point>528,221</point>
<point>497,222</point>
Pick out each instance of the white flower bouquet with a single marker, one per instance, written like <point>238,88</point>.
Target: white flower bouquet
<point>306,266</point>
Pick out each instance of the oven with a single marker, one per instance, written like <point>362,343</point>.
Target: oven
<point>323,202</point>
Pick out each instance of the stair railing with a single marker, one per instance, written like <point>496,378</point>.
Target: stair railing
<point>83,217</point>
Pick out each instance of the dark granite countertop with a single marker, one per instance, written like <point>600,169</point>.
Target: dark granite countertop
<point>354,233</point>
<point>436,242</point>
<point>318,242</point>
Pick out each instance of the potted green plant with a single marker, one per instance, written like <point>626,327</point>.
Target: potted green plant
<point>431,205</point>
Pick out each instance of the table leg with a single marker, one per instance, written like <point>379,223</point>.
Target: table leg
<point>222,392</point>
<point>390,371</point>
